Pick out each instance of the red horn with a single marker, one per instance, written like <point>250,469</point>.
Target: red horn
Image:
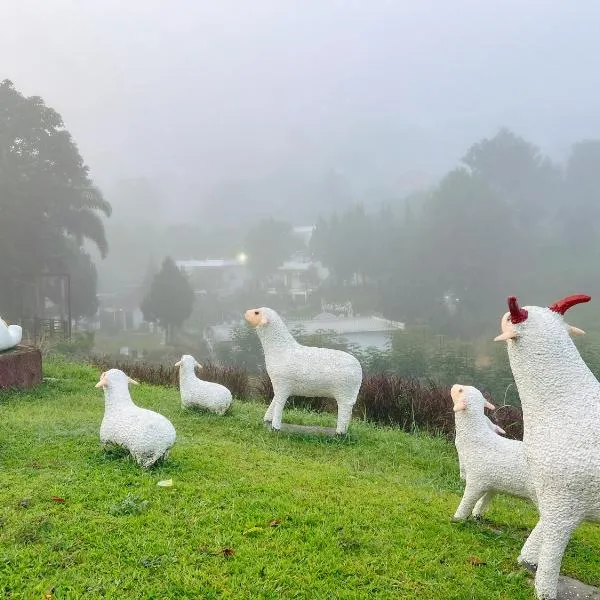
<point>562,306</point>
<point>517,315</point>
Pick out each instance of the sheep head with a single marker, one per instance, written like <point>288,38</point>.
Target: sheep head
<point>258,316</point>
<point>517,321</point>
<point>188,361</point>
<point>112,377</point>
<point>466,397</point>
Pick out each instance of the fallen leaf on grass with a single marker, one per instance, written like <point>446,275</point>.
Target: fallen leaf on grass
<point>476,562</point>
<point>24,503</point>
<point>58,499</point>
<point>165,483</point>
<point>49,594</point>
<point>253,530</point>
<point>275,523</point>
<point>227,552</point>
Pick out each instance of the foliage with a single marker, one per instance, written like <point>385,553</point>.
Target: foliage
<point>449,258</point>
<point>170,299</point>
<point>250,514</point>
<point>48,203</point>
<point>84,282</point>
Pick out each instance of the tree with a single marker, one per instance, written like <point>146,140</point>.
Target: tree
<point>47,200</point>
<point>581,209</point>
<point>518,172</point>
<point>170,300</point>
<point>268,244</point>
<point>84,283</point>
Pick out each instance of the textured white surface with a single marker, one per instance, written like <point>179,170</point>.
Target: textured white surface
<point>147,435</point>
<point>488,462</point>
<point>197,393</point>
<point>10,335</point>
<point>561,412</point>
<point>297,370</point>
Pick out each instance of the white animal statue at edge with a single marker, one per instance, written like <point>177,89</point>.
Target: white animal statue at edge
<point>10,335</point>
<point>297,370</point>
<point>489,463</point>
<point>198,393</point>
<point>561,414</point>
<point>147,435</point>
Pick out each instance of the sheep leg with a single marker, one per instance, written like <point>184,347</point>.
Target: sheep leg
<point>530,553</point>
<point>482,505</point>
<point>269,414</point>
<point>554,541</point>
<point>279,401</point>
<point>344,417</point>
<point>472,493</point>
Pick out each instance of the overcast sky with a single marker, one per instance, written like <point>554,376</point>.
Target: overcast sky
<point>202,92</point>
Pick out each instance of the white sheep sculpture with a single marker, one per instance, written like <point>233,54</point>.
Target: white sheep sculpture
<point>560,398</point>
<point>489,463</point>
<point>297,370</point>
<point>10,335</point>
<point>197,393</point>
<point>147,435</point>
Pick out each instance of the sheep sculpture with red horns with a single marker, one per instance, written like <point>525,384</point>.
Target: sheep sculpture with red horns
<point>560,398</point>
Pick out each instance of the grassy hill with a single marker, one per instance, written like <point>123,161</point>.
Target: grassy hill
<point>251,514</point>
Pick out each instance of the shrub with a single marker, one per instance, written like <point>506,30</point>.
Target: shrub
<point>233,378</point>
<point>407,403</point>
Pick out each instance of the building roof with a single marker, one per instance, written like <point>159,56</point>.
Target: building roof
<point>323,322</point>
<point>209,263</point>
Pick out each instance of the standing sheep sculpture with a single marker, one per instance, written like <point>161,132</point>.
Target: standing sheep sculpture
<point>297,370</point>
<point>147,435</point>
<point>195,392</point>
<point>488,462</point>
<point>561,414</point>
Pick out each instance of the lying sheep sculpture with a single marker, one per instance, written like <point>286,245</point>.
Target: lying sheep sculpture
<point>147,435</point>
<point>197,393</point>
<point>10,335</point>
<point>297,370</point>
<point>488,462</point>
<point>561,414</point>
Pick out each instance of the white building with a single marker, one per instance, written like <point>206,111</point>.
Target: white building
<point>221,276</point>
<point>364,332</point>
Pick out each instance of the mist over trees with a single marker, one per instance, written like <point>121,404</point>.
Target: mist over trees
<point>506,220</point>
<point>49,206</point>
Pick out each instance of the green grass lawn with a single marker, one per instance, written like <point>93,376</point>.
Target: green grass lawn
<point>251,514</point>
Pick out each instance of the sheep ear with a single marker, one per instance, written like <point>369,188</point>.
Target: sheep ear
<point>489,405</point>
<point>101,383</point>
<point>499,429</point>
<point>178,363</point>
<point>575,330</point>
<point>198,365</point>
<point>133,381</point>
<point>507,335</point>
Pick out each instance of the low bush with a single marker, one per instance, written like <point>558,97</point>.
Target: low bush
<point>233,378</point>
<point>404,402</point>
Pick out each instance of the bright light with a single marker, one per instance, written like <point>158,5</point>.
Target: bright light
<point>242,257</point>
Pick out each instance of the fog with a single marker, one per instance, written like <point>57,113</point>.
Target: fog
<point>199,120</point>
<point>203,95</point>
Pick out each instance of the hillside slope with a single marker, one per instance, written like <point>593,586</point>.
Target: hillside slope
<point>250,515</point>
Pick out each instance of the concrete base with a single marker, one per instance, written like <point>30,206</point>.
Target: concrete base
<point>304,429</point>
<point>20,368</point>
<point>571,589</point>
